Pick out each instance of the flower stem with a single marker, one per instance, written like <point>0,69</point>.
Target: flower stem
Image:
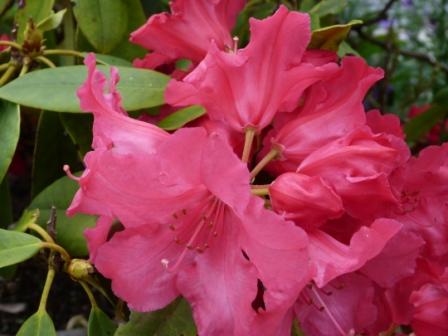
<point>47,287</point>
<point>248,141</point>
<point>260,191</point>
<point>263,163</point>
<point>64,52</point>
<point>46,61</point>
<point>44,234</point>
<point>89,294</point>
<point>11,44</point>
<point>4,66</point>
<point>8,74</point>
<point>57,248</point>
<point>98,287</point>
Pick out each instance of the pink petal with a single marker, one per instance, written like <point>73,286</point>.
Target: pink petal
<point>332,258</point>
<point>133,260</point>
<point>98,235</point>
<point>396,261</point>
<point>333,107</point>
<point>309,201</point>
<point>247,88</point>
<point>384,123</point>
<point>189,29</point>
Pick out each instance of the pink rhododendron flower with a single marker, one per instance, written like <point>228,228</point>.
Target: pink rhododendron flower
<point>191,225</point>
<point>332,108</point>
<point>187,32</point>
<point>247,88</point>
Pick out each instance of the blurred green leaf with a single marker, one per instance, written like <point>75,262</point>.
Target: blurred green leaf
<point>16,247</point>
<point>52,21</point>
<point>5,204</point>
<point>39,324</point>
<point>139,88</point>
<point>37,10</point>
<point>330,38</point>
<point>100,324</point>
<point>69,230</point>
<point>53,149</point>
<point>181,117</point>
<point>327,7</point>
<point>174,320</point>
<point>103,22</point>
<point>9,134</point>
<point>112,60</point>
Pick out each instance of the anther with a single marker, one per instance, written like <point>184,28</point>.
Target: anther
<point>165,262</point>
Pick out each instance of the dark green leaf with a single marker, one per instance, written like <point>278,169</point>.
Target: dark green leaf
<point>37,10</point>
<point>9,134</point>
<point>103,22</point>
<point>181,117</point>
<point>100,324</point>
<point>16,247</point>
<point>69,229</point>
<point>139,88</point>
<point>39,324</point>
<point>5,204</point>
<point>174,320</point>
<point>420,125</point>
<point>79,128</point>
<point>54,148</point>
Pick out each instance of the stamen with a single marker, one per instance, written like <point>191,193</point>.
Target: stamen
<point>260,191</point>
<point>249,136</point>
<point>69,173</point>
<point>236,40</point>
<point>330,315</point>
<point>272,155</point>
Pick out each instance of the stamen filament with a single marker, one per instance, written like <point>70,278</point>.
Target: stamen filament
<point>273,153</point>
<point>330,315</point>
<point>69,173</point>
<point>260,191</point>
<point>248,141</point>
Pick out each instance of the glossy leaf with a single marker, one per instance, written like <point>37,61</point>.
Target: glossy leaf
<point>39,324</point>
<point>16,247</point>
<point>52,21</point>
<point>53,149</point>
<point>9,134</point>
<point>103,22</point>
<point>139,88</point>
<point>5,204</point>
<point>330,38</point>
<point>37,10</point>
<point>173,320</point>
<point>69,230</point>
<point>100,324</point>
<point>181,117</point>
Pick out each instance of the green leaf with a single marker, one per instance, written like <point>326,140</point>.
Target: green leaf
<point>39,324</point>
<point>181,117</point>
<point>69,230</point>
<point>103,22</point>
<point>174,320</point>
<point>28,217</point>
<point>16,247</point>
<point>139,88</point>
<point>5,204</point>
<point>329,38</point>
<point>53,149</point>
<point>79,128</point>
<point>113,60</point>
<point>327,7</point>
<point>9,134</point>
<point>100,324</point>
<point>37,10</point>
<point>52,21</point>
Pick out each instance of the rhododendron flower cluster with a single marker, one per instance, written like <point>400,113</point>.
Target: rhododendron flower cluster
<point>286,201</point>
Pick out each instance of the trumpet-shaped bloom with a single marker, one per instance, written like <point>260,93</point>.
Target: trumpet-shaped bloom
<point>248,87</point>
<point>191,225</point>
<point>188,31</point>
